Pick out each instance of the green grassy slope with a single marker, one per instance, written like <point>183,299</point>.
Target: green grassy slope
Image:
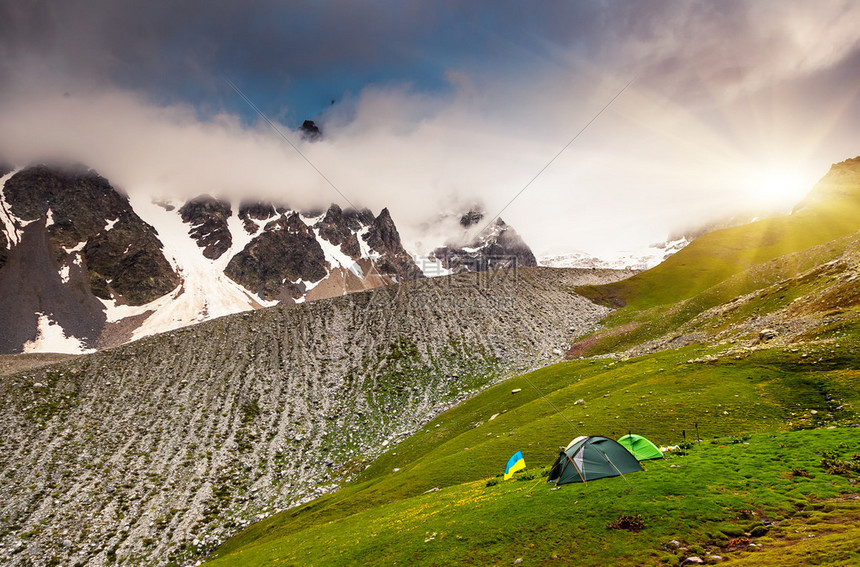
<point>819,280</point>
<point>704,500</point>
<point>659,396</point>
<point>718,255</point>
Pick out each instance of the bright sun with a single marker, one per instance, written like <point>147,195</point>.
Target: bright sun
<point>778,185</point>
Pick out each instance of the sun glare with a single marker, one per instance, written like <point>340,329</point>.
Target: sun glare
<point>778,185</point>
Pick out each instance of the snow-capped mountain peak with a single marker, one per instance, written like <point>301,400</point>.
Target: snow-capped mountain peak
<point>83,266</point>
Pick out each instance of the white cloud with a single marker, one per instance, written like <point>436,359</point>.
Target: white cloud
<point>720,98</point>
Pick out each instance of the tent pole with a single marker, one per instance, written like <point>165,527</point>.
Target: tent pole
<point>684,435</point>
<point>576,468</point>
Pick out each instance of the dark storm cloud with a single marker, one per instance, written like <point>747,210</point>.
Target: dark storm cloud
<point>183,50</point>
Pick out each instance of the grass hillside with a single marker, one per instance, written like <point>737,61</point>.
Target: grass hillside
<point>744,349</point>
<point>767,399</point>
<point>798,295</point>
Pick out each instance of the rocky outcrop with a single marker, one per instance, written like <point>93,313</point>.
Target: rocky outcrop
<point>332,226</point>
<point>384,238</point>
<point>496,246</point>
<point>249,211</point>
<point>126,262</point>
<point>122,253</point>
<point>80,202</point>
<point>341,228</point>
<point>471,218</point>
<point>74,238</point>
<point>357,219</point>
<point>158,450</point>
<point>278,263</point>
<point>310,131</point>
<point>4,247</point>
<point>208,219</point>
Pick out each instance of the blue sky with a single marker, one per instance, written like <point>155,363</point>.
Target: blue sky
<point>735,107</point>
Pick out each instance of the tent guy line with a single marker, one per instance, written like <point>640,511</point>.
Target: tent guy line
<point>558,411</point>
<point>284,137</point>
<point>552,405</point>
<point>561,151</point>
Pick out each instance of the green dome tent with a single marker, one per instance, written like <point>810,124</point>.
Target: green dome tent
<point>641,448</point>
<point>590,458</point>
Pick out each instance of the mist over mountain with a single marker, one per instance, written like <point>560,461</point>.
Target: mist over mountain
<point>483,244</point>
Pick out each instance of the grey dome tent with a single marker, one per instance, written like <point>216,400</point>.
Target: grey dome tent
<point>590,458</point>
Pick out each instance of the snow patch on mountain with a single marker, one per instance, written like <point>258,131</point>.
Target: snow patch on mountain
<point>335,257</point>
<point>641,259</point>
<point>311,221</point>
<point>205,292</point>
<point>73,259</point>
<point>50,337</point>
<point>432,267</point>
<point>11,224</point>
<point>76,248</point>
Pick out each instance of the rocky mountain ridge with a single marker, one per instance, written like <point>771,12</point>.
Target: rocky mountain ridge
<point>83,266</point>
